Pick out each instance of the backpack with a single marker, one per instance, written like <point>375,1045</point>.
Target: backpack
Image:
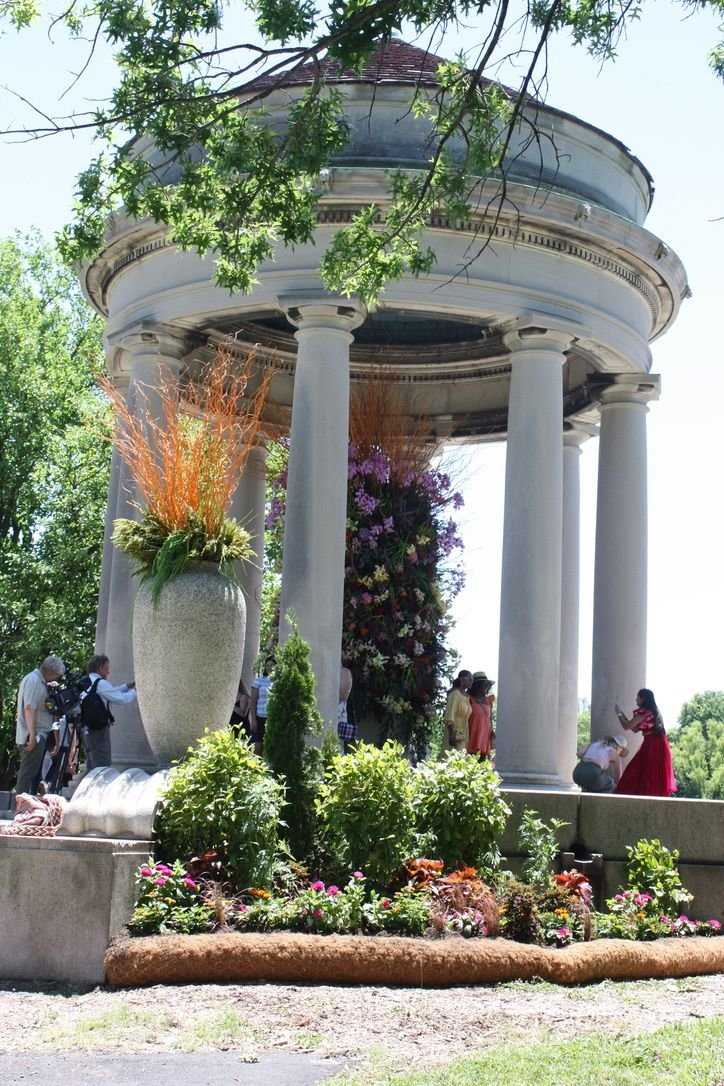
<point>94,713</point>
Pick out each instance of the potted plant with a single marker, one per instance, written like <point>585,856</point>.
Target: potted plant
<point>189,614</point>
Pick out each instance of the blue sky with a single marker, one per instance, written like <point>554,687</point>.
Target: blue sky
<point>661,101</point>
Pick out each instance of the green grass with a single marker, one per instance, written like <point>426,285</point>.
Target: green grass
<point>107,1031</point>
<point>223,1030</point>
<point>127,1028</point>
<point>680,1055</point>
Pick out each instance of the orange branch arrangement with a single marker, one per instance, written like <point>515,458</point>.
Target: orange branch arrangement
<point>187,461</point>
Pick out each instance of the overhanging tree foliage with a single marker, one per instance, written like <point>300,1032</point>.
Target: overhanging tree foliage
<point>228,179</point>
<point>53,471</point>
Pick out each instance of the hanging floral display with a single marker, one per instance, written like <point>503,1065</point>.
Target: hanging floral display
<point>399,576</point>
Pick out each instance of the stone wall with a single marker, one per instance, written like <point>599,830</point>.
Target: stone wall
<point>607,824</point>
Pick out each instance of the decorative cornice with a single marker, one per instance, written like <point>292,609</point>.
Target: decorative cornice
<point>522,234</point>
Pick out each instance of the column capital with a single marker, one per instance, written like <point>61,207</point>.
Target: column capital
<point>537,333</point>
<point>145,339</point>
<point>575,434</point>
<point>633,389</point>
<point>313,310</point>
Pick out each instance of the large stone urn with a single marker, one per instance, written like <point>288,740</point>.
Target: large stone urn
<point>187,651</point>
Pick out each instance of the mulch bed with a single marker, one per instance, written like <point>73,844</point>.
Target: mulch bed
<point>420,963</point>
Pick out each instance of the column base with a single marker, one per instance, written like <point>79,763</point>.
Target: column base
<point>536,782</point>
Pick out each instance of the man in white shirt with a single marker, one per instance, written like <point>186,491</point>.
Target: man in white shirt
<point>98,742</point>
<point>34,720</point>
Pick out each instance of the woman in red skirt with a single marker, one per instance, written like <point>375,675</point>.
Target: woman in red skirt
<point>650,772</point>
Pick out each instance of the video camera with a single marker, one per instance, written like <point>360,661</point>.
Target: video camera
<point>64,697</point>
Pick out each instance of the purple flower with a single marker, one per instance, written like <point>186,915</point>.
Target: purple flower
<point>365,502</point>
<point>188,881</point>
<point>163,869</point>
<point>318,885</point>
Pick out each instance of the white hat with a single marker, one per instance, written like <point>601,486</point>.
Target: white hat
<point>620,741</point>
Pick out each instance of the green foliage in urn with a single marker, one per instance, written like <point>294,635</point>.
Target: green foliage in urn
<point>292,719</point>
<point>366,810</point>
<point>222,799</point>
<point>186,457</point>
<point>460,811</point>
<point>160,556</point>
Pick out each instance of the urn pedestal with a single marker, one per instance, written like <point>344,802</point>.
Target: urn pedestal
<point>188,649</point>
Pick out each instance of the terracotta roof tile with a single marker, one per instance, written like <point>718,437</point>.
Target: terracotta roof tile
<point>396,62</point>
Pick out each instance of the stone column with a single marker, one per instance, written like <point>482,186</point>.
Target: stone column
<point>315,520</point>
<point>117,468</point>
<point>573,438</point>
<point>149,350</point>
<point>530,605</point>
<point>247,506</point>
<point>620,580</point>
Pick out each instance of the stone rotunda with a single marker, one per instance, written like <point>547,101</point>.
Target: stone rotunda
<point>541,341</point>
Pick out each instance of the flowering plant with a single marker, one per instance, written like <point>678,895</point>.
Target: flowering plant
<point>467,924</point>
<point>636,915</point>
<point>169,900</point>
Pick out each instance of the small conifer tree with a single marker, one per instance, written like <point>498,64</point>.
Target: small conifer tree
<point>292,719</point>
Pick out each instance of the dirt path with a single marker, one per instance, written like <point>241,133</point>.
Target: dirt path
<point>405,1027</point>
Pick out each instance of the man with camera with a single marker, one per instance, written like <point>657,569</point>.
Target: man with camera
<point>96,733</point>
<point>34,719</point>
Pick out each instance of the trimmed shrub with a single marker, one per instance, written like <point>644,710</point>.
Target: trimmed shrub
<point>292,719</point>
<point>366,810</point>
<point>460,812</point>
<point>222,799</point>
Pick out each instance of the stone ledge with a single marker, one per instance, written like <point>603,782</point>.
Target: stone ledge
<point>393,960</point>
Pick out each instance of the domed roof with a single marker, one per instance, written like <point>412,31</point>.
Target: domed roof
<point>395,62</point>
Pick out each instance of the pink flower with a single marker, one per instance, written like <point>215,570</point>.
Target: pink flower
<point>317,914</point>
<point>318,885</point>
<point>188,881</point>
<point>242,908</point>
<point>714,924</point>
<point>163,869</point>
<point>357,875</point>
<point>161,881</point>
<point>366,598</point>
<point>146,870</point>
<point>643,899</point>
<point>332,891</point>
<point>386,903</point>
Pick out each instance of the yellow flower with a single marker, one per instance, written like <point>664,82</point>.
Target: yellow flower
<point>381,574</point>
<point>260,893</point>
<point>563,913</point>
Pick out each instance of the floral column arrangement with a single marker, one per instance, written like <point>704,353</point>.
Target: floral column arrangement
<point>399,580</point>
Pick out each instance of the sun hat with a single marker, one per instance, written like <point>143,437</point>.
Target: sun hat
<point>620,740</point>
